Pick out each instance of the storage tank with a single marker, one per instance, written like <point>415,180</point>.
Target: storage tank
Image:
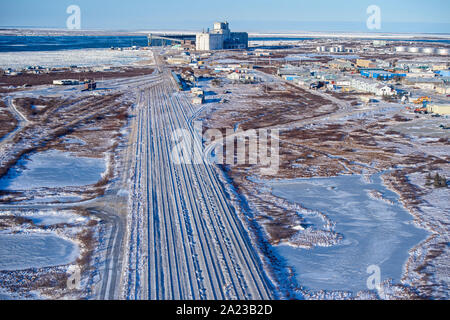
<point>443,52</point>
<point>400,49</point>
<point>428,50</point>
<point>413,50</point>
<point>322,49</point>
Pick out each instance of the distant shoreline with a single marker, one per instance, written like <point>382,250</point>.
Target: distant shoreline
<point>11,31</point>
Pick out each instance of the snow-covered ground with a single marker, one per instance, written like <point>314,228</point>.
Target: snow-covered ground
<point>65,58</point>
<point>423,127</point>
<point>50,218</point>
<point>376,230</point>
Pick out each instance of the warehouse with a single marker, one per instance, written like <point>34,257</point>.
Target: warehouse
<point>363,63</point>
<point>384,75</point>
<point>437,84</point>
<point>441,109</point>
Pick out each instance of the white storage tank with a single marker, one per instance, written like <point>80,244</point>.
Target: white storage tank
<point>400,49</point>
<point>428,50</point>
<point>413,50</point>
<point>443,52</point>
<point>321,49</point>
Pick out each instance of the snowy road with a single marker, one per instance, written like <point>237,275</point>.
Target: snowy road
<point>185,240</point>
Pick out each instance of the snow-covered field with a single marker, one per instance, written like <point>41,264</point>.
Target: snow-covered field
<point>376,230</point>
<point>65,58</point>
<point>425,128</point>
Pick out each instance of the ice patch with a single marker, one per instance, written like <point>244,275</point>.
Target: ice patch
<point>53,169</point>
<point>376,232</point>
<point>25,251</point>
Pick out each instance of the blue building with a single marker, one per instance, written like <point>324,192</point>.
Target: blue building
<point>380,74</point>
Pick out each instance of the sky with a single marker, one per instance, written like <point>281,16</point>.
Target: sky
<point>397,16</point>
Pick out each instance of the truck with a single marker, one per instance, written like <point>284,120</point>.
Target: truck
<point>89,85</point>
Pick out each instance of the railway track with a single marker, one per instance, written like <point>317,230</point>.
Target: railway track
<point>185,239</point>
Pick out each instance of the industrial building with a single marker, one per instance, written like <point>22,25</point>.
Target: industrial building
<point>383,75</point>
<point>363,63</point>
<point>341,64</point>
<point>441,109</point>
<point>221,38</point>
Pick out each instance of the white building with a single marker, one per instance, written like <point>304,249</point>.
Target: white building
<point>66,82</point>
<point>442,109</point>
<point>221,38</point>
<point>242,77</point>
<point>368,86</point>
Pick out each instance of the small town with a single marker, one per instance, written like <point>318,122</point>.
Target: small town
<point>228,161</point>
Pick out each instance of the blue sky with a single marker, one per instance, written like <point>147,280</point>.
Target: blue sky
<point>429,16</point>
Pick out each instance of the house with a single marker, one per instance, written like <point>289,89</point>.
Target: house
<point>198,100</point>
<point>420,74</point>
<point>291,77</point>
<point>432,84</point>
<point>385,91</point>
<point>304,81</point>
<point>242,77</point>
<point>197,91</point>
<point>293,71</point>
<point>443,89</point>
<point>179,60</point>
<point>223,69</point>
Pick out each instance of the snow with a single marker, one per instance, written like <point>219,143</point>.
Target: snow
<point>299,57</point>
<point>424,127</point>
<point>49,218</point>
<point>375,232</point>
<point>53,169</point>
<point>65,58</point>
<point>75,141</point>
<point>52,199</point>
<point>25,251</point>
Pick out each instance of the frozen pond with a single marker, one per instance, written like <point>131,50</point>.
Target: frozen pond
<point>376,232</point>
<point>5,296</point>
<point>53,169</point>
<point>25,251</point>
